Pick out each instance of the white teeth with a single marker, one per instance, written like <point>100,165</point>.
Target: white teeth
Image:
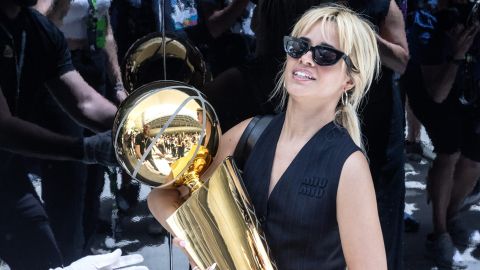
<point>303,75</point>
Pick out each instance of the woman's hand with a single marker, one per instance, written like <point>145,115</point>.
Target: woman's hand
<point>163,203</point>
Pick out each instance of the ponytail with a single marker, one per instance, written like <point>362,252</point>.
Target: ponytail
<point>346,116</point>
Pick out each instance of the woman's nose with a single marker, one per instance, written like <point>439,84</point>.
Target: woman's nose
<point>307,59</point>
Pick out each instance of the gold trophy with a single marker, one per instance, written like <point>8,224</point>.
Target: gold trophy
<point>166,134</point>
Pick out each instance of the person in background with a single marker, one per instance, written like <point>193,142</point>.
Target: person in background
<point>441,81</point>
<point>223,38</point>
<point>86,26</point>
<point>206,23</point>
<point>35,53</point>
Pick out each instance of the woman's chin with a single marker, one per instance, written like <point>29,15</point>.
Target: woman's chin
<point>299,90</point>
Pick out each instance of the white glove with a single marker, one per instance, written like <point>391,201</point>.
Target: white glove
<point>108,261</point>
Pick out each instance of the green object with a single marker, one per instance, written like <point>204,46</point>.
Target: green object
<point>98,26</point>
<point>101,37</point>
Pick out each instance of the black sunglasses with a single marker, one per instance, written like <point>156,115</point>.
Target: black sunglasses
<point>321,54</point>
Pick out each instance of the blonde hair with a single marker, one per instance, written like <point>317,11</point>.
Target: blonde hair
<point>357,40</point>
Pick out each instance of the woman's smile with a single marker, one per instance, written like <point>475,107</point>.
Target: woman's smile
<point>300,74</point>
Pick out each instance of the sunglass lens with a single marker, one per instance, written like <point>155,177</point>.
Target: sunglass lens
<point>324,56</point>
<point>295,47</point>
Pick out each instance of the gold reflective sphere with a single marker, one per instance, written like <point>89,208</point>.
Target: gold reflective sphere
<point>143,62</point>
<point>163,131</point>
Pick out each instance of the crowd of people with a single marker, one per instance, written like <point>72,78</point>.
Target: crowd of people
<point>326,69</point>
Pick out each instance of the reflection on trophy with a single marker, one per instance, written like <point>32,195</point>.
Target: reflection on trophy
<point>166,134</point>
<point>159,133</point>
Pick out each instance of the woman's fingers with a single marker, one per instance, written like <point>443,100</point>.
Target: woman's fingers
<point>193,265</point>
<point>184,192</point>
<point>181,244</point>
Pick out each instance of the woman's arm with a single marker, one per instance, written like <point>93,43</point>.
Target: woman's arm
<point>392,40</point>
<point>357,215</point>
<point>163,202</point>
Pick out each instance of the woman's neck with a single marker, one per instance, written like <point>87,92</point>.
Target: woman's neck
<point>304,120</point>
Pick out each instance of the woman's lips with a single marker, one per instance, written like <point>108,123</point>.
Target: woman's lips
<point>303,75</point>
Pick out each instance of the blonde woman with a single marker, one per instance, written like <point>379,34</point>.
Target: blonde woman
<point>307,176</point>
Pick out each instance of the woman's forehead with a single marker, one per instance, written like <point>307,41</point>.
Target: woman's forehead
<point>322,32</point>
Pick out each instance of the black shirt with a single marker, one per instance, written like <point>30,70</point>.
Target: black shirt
<point>143,141</point>
<point>45,56</point>
<point>299,218</point>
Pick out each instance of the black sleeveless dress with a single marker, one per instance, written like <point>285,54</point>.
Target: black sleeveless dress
<point>299,217</point>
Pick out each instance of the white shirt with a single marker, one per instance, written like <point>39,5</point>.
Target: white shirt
<point>75,22</point>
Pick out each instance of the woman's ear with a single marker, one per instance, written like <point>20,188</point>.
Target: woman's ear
<point>349,84</point>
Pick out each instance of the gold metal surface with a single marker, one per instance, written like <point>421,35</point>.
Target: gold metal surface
<point>143,63</point>
<point>219,224</point>
<point>164,131</point>
<point>166,134</point>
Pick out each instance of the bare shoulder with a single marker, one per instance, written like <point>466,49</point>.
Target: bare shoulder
<point>228,142</point>
<point>232,136</point>
<point>356,162</point>
<point>355,177</point>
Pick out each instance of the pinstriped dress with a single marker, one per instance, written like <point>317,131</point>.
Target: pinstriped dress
<point>299,217</point>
